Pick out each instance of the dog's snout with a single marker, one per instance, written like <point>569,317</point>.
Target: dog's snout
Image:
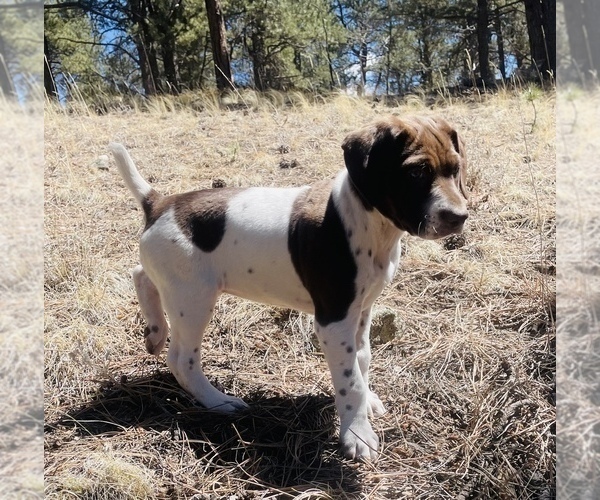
<point>453,218</point>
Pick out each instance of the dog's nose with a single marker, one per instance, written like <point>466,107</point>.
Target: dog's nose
<point>453,218</point>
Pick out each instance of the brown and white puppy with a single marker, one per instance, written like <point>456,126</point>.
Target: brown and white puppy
<point>326,249</point>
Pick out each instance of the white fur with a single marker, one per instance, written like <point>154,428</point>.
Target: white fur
<point>135,182</point>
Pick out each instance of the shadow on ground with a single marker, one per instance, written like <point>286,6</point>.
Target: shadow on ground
<point>281,441</point>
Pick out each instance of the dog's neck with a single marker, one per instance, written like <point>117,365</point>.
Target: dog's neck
<point>373,229</point>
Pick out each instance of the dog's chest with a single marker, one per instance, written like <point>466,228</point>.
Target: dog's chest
<point>375,271</point>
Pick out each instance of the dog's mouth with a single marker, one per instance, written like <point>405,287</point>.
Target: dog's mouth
<point>441,224</point>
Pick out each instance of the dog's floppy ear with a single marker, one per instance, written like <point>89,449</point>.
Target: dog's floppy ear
<point>459,146</point>
<point>370,150</point>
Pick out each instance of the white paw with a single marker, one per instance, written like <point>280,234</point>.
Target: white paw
<point>375,405</point>
<point>359,442</point>
<point>226,404</point>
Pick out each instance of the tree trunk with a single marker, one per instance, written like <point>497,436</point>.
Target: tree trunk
<point>576,34</point>
<point>591,9</point>
<point>483,42</point>
<point>6,83</point>
<point>540,34</point>
<point>148,82</point>
<point>146,53</point>
<point>500,41</point>
<point>363,65</point>
<point>171,74</point>
<point>49,83</point>
<point>216,26</point>
<point>257,53</point>
<point>549,22</point>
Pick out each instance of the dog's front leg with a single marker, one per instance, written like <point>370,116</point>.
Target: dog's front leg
<point>338,341</point>
<point>363,353</point>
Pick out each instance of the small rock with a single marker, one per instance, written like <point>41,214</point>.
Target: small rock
<point>455,241</point>
<point>288,163</point>
<point>100,163</point>
<point>384,325</point>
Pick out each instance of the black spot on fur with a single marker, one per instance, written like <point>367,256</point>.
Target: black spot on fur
<point>250,270</point>
<point>181,314</point>
<point>201,215</point>
<point>154,328</point>
<point>362,322</point>
<point>343,392</point>
<point>146,332</point>
<point>196,349</point>
<point>349,233</point>
<point>343,343</point>
<point>357,252</point>
<point>347,372</point>
<point>349,349</point>
<point>191,361</point>
<point>370,252</point>
<point>348,407</point>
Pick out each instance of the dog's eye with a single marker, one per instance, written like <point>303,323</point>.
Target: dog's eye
<point>419,172</point>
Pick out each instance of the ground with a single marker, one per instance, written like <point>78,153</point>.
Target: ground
<point>21,301</point>
<point>468,380</point>
<point>578,293</point>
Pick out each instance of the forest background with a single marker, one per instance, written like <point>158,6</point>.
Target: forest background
<point>391,47</point>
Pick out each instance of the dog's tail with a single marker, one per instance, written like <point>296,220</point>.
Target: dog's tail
<point>135,182</point>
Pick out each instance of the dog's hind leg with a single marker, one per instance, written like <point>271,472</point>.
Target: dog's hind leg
<point>155,333</point>
<point>189,311</point>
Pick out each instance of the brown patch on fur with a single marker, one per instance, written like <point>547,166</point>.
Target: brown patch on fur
<point>201,215</point>
<point>321,253</point>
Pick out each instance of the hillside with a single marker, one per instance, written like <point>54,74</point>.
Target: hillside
<point>468,380</point>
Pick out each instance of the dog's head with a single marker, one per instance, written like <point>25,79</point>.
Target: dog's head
<point>413,171</point>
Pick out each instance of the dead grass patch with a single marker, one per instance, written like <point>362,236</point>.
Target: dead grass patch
<point>578,253</point>
<point>468,382</point>
<point>21,301</point>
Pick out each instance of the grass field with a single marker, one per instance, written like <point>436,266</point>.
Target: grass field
<point>468,380</point>
<point>21,301</point>
<point>578,254</point>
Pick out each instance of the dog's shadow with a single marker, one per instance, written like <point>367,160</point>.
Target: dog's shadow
<point>281,441</point>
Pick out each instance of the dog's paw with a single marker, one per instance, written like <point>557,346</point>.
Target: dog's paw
<point>375,405</point>
<point>359,442</point>
<point>227,404</point>
<point>155,338</point>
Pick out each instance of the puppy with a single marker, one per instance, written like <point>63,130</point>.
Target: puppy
<point>326,249</point>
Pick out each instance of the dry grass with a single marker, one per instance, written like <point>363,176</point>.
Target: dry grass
<point>578,147</point>
<point>21,301</point>
<point>469,381</point>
